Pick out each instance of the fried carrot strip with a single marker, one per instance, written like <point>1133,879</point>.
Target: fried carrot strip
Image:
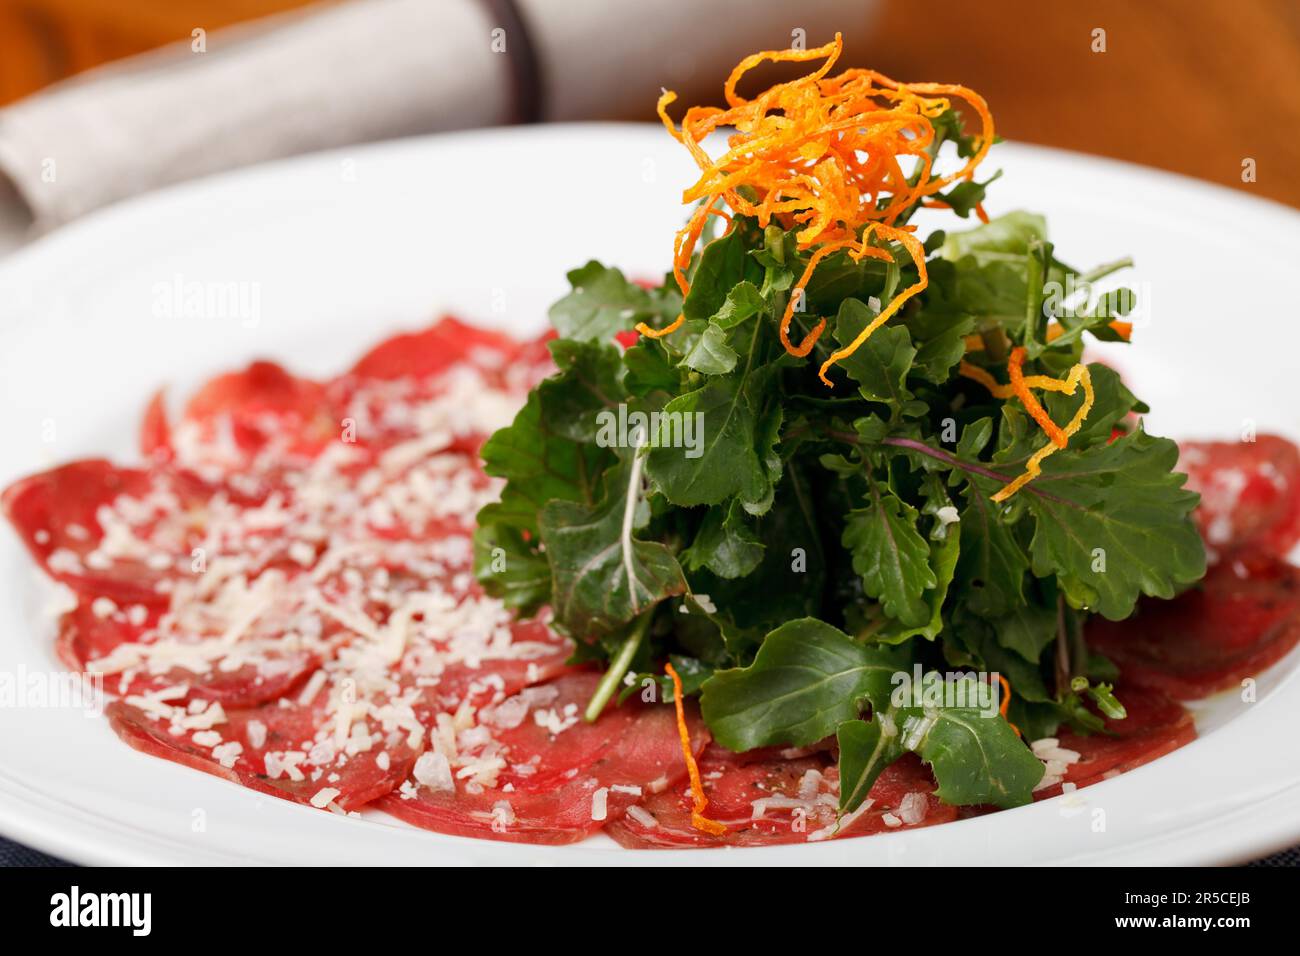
<point>1122,328</point>
<point>668,329</point>
<point>940,204</point>
<point>1019,388</point>
<point>796,294</point>
<point>701,802</point>
<point>682,248</point>
<point>1036,411</point>
<point>917,251</point>
<point>822,153</point>
<point>1006,702</point>
<point>1033,468</point>
<point>977,374</point>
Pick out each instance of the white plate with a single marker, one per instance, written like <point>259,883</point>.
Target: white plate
<point>341,249</point>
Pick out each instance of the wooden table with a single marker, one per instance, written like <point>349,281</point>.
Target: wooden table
<point>1194,86</point>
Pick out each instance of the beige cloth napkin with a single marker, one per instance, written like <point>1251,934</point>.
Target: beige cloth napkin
<point>351,72</point>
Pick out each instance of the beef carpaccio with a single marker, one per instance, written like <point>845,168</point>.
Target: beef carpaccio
<point>283,595</point>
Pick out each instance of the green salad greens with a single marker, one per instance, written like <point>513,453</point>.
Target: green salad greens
<point>821,562</point>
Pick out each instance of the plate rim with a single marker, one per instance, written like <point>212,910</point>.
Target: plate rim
<point>38,827</point>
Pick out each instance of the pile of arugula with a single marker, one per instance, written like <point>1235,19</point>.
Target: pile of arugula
<point>818,542</point>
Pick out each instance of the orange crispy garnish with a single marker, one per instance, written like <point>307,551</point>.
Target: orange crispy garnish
<point>940,204</point>
<point>821,153</point>
<point>1036,411</point>
<point>1020,385</point>
<point>1120,327</point>
<point>977,374</point>
<point>701,802</point>
<point>1006,702</point>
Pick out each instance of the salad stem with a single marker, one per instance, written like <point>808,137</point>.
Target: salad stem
<point>1106,268</point>
<point>629,519</point>
<point>618,668</point>
<point>1064,670</point>
<point>943,456</point>
<point>955,462</point>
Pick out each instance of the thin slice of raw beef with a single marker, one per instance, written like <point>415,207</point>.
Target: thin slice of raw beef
<point>764,799</point>
<point>286,750</point>
<point>1241,618</point>
<point>1155,726</point>
<point>1250,493</point>
<point>346,737</point>
<point>153,524</point>
<point>531,770</point>
<point>260,420</point>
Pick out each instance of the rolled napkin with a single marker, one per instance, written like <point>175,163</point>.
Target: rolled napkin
<point>336,74</point>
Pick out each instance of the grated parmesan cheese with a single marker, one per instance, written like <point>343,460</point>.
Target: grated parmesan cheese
<point>324,797</point>
<point>600,803</point>
<point>433,770</point>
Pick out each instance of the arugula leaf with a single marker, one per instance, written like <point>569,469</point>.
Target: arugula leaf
<point>992,292</point>
<point>1020,437</point>
<point>967,194</point>
<point>974,438</point>
<point>1006,238</point>
<point>976,759</point>
<point>1026,678</point>
<point>691,671</point>
<point>943,559</point>
<point>838,277</point>
<point>604,303</point>
<point>992,565</point>
<point>975,756</point>
<point>806,680</point>
<point>730,462</point>
<point>867,747</point>
<point>587,384</point>
<point>510,570</point>
<point>725,544</point>
<point>1109,306</point>
<point>1113,403</point>
<point>1113,521</point>
<point>710,353</point>
<point>1103,695</point>
<point>949,128</point>
<point>769,437</point>
<point>724,263</point>
<point>743,302</point>
<point>891,556</point>
<point>1027,629</point>
<point>649,369</point>
<point>539,466</point>
<point>788,583</point>
<point>597,582</point>
<point>881,363</point>
<point>940,341</point>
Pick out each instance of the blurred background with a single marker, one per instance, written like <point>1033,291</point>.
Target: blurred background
<point>101,100</point>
